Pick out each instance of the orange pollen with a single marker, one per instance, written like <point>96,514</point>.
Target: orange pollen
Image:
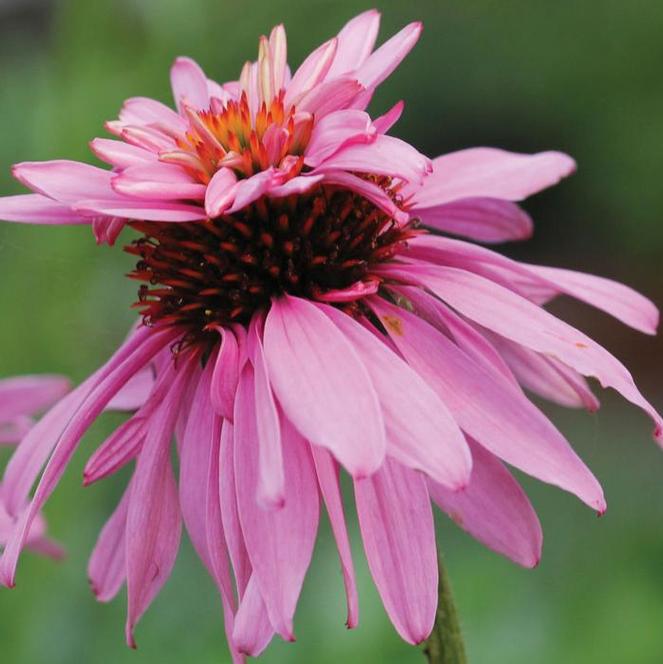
<point>226,135</point>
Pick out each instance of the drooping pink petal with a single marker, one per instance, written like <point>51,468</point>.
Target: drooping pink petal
<point>297,185</point>
<point>491,173</point>
<point>396,524</point>
<point>250,190</point>
<point>27,395</point>
<point>134,208</point>
<point>261,406</point>
<point>482,219</point>
<point>494,509</point>
<point>189,84</point>
<point>322,385</point>
<point>253,631</point>
<point>355,43</point>
<point>226,374</point>
<point>153,516</point>
<point>488,407</point>
<point>107,569</point>
<point>220,192</point>
<point>327,472</point>
<point>38,209</point>
<point>279,542</point>
<point>421,433</point>
<point>385,122</point>
<point>516,318</point>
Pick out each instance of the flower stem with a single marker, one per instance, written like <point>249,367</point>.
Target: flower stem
<point>445,644</point>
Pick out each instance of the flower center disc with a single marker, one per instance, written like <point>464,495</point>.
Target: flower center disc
<point>220,271</point>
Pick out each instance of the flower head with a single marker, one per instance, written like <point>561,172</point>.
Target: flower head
<point>299,317</point>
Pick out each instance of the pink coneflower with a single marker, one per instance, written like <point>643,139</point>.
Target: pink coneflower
<point>22,398</point>
<point>300,318</point>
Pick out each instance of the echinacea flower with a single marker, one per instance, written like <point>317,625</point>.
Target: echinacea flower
<point>300,317</point>
<point>21,398</point>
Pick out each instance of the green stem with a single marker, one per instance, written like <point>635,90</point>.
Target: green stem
<point>445,644</point>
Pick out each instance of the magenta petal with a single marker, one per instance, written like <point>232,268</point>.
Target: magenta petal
<point>421,433</point>
<point>279,542</point>
<point>322,384</point>
<point>327,471</point>
<point>134,208</point>
<point>494,509</point>
<point>27,395</point>
<point>396,524</point>
<point>226,375</point>
<point>107,570</point>
<point>253,631</point>
<point>135,393</point>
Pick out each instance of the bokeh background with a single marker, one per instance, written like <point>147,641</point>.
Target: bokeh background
<point>581,76</point>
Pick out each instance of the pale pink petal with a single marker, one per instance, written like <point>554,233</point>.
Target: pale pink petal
<point>494,509</point>
<point>220,192</point>
<point>355,43</point>
<point>250,190</point>
<point>396,524</point>
<point>279,542</point>
<point>336,130</point>
<point>278,45</point>
<point>482,219</point>
<point>327,471</point>
<point>382,62</point>
<point>143,110</point>
<point>262,407</point>
<point>311,72</point>
<point>322,385</point>
<point>135,393</point>
<point>297,185</point>
<point>421,433</point>
<point>516,318</point>
<point>488,407</point>
<point>107,570</point>
<point>491,173</point>
<point>28,395</point>
<point>120,154</point>
<point>329,96</point>
<point>38,209</point>
<point>158,181</point>
<point>189,84</point>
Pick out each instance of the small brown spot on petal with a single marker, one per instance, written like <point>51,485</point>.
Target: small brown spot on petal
<point>394,323</point>
<point>579,344</point>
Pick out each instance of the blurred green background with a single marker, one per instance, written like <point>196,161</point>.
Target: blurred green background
<point>581,76</point>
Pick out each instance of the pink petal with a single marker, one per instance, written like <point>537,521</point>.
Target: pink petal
<point>261,407</point>
<point>385,122</point>
<point>311,72</point>
<point>355,43</point>
<point>220,192</point>
<point>107,567</point>
<point>153,517</point>
<point>250,190</point>
<point>329,96</point>
<point>189,84</point>
<point>135,393</point>
<point>386,155</point>
<point>322,384</point>
<point>297,185</point>
<point>120,154</point>
<point>327,471</point>
<point>516,318</point>
<point>133,208</point>
<point>399,538</point>
<point>336,130</point>
<point>279,542</point>
<point>158,181</point>
<point>494,509</point>
<point>253,631</point>
<point>27,395</point>
<point>146,111</point>
<point>421,433</point>
<point>382,62</point>
<point>491,173</point>
<point>226,375</point>
<point>488,407</point>
<point>482,219</point>
<point>38,209</point>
